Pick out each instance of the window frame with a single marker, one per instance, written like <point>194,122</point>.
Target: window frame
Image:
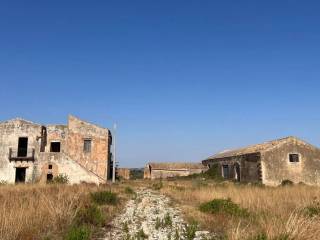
<point>54,142</point>
<point>294,162</point>
<point>85,149</point>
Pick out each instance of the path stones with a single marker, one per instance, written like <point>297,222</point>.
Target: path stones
<point>150,216</point>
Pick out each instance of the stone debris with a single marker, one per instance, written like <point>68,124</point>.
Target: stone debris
<point>151,216</point>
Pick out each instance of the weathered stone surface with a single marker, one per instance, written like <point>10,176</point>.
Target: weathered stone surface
<point>147,213</point>
<point>167,170</point>
<point>269,163</point>
<point>123,173</point>
<point>93,166</point>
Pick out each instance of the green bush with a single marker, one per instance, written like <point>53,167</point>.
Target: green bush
<point>78,233</point>
<point>136,173</point>
<point>223,206</point>
<point>104,197</point>
<point>157,186</point>
<point>61,179</point>
<point>190,231</point>
<point>286,182</point>
<point>213,173</point>
<point>129,190</point>
<point>91,215</point>
<point>312,210</point>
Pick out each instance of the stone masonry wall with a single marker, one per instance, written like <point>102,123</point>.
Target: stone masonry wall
<point>96,159</point>
<point>276,166</point>
<point>9,135</point>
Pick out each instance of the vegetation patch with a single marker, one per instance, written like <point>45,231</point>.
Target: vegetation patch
<point>164,223</point>
<point>78,233</point>
<point>286,182</point>
<point>157,186</point>
<point>61,179</point>
<point>140,235</point>
<point>312,210</point>
<point>190,230</point>
<point>223,206</point>
<point>91,215</point>
<point>129,190</point>
<point>104,197</point>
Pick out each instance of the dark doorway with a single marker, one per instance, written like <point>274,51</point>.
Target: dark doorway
<point>23,147</point>
<point>237,172</point>
<point>225,171</point>
<point>21,175</point>
<point>55,147</point>
<point>49,177</point>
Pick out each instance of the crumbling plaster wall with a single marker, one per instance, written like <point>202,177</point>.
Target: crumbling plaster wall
<point>95,160</point>
<point>9,135</point>
<point>159,173</point>
<point>123,173</point>
<point>276,166</point>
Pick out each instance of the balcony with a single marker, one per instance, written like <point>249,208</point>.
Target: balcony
<point>21,154</point>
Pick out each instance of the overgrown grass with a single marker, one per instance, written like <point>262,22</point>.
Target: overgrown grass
<point>223,206</point>
<point>249,212</point>
<point>157,185</point>
<point>129,190</point>
<point>54,211</point>
<point>104,197</point>
<point>79,233</point>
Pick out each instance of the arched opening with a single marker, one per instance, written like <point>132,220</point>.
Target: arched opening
<point>237,172</point>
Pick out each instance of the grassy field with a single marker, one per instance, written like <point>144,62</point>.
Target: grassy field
<point>232,211</point>
<point>237,212</point>
<point>57,211</point>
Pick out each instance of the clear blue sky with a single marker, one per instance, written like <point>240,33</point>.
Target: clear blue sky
<point>183,79</point>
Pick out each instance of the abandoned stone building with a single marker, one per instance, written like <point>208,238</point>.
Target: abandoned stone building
<point>168,170</point>
<point>123,173</point>
<point>270,163</point>
<point>30,152</point>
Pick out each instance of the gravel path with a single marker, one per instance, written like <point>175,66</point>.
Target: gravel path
<point>151,216</point>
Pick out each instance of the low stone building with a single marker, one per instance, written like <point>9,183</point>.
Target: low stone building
<point>270,163</point>
<point>167,170</point>
<point>30,152</point>
<point>123,173</point>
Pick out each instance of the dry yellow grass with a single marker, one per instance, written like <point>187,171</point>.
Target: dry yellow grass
<point>40,211</point>
<point>274,211</point>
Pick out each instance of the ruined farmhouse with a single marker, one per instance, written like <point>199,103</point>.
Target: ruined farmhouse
<point>270,163</point>
<point>30,152</point>
<point>168,170</point>
<point>123,173</point>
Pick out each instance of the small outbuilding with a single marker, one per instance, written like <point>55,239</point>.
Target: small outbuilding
<point>123,173</point>
<point>167,170</point>
<point>270,163</point>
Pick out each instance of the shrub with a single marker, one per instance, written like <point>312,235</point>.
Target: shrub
<point>90,215</point>
<point>140,235</point>
<point>223,206</point>
<point>213,173</point>
<point>312,210</point>
<point>104,197</point>
<point>190,231</point>
<point>78,233</point>
<point>286,182</point>
<point>129,190</point>
<point>61,179</point>
<point>136,173</point>
<point>167,221</point>
<point>157,186</point>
